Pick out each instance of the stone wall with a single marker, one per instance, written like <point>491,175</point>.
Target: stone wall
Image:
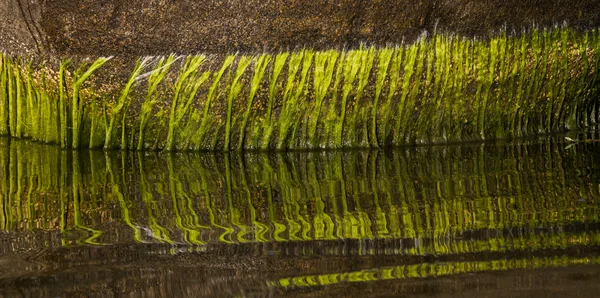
<point>20,30</point>
<point>148,27</point>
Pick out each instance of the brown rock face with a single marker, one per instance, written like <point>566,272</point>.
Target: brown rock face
<point>150,27</point>
<point>20,31</point>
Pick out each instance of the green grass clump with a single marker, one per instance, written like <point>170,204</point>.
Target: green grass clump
<point>235,89</point>
<point>123,103</point>
<point>325,63</point>
<point>77,103</point>
<point>5,95</point>
<point>155,77</point>
<point>269,124</point>
<point>189,81</point>
<point>63,113</point>
<point>439,89</point>
<point>260,67</point>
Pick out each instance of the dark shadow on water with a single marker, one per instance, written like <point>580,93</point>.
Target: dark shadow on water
<point>475,220</point>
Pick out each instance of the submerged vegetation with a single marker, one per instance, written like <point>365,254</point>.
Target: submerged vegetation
<point>440,89</point>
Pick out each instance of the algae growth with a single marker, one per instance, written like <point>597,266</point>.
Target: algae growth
<point>440,89</point>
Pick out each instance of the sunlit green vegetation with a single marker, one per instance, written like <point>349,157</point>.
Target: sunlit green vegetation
<point>439,89</point>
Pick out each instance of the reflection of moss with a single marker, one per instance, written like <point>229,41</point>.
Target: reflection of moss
<point>430,195</point>
<point>439,89</point>
<point>428,270</point>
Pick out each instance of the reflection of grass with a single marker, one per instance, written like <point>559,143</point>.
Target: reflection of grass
<point>438,89</point>
<point>77,191</point>
<point>159,232</point>
<point>431,194</point>
<point>428,270</point>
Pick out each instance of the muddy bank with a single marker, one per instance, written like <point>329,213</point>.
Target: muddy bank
<point>140,27</point>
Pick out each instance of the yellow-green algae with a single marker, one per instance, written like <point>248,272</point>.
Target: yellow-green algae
<point>439,89</point>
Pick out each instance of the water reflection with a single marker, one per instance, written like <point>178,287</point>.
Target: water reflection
<point>266,224</point>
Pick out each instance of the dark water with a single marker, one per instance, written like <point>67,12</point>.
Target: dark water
<point>478,220</point>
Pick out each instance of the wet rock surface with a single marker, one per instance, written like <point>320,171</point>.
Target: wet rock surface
<point>140,27</point>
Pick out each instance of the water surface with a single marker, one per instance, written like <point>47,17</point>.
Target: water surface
<point>475,220</point>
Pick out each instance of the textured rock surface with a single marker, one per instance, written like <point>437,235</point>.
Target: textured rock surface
<point>20,31</point>
<point>148,27</point>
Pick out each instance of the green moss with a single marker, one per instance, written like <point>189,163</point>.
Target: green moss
<point>4,96</point>
<point>77,103</point>
<point>189,81</point>
<point>439,89</point>
<point>325,63</point>
<point>121,106</point>
<point>212,118</point>
<point>235,88</point>
<point>260,66</point>
<point>155,77</point>
<point>407,78</point>
<point>18,102</point>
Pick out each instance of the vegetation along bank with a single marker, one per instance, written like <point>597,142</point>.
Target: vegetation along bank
<point>439,89</point>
